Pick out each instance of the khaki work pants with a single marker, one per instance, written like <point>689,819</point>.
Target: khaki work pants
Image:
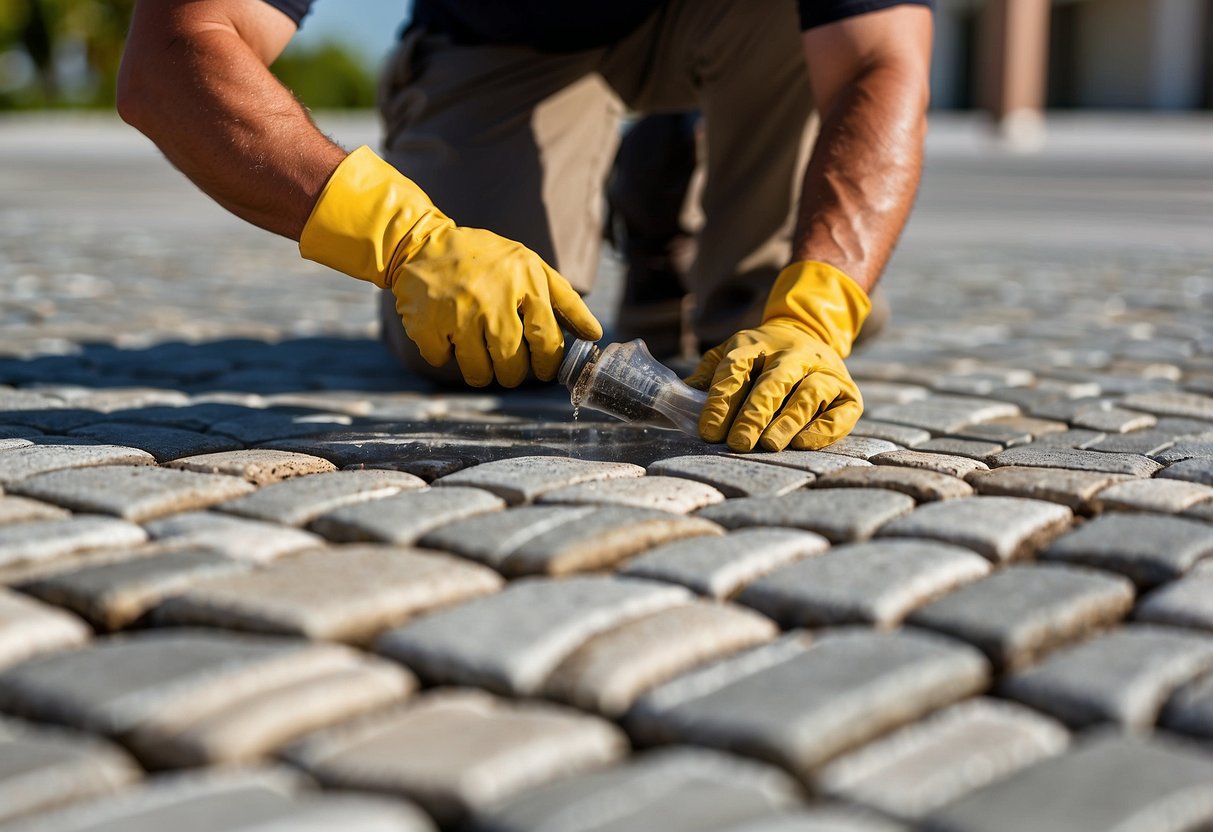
<point>521,142</point>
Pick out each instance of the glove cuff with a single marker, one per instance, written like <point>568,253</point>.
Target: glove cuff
<point>822,299</point>
<point>369,219</point>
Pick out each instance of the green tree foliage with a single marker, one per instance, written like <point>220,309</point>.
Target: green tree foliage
<point>326,77</point>
<point>66,53</point>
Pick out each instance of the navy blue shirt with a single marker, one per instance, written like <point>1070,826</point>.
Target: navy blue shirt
<point>561,26</point>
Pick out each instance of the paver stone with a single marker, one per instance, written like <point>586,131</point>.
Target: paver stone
<point>1030,456</point>
<point>522,479</point>
<point>1162,496</point>
<point>876,583</point>
<point>1148,548</point>
<point>1019,613</point>
<point>458,752</point>
<point>161,442</point>
<point>924,766</point>
<point>953,466</point>
<point>22,463</point>
<point>672,494</point>
<point>922,485</point>
<point>1111,782</point>
<point>1123,677</point>
<point>46,540</point>
<point>347,593</point>
<point>674,790</point>
<point>405,517</point>
<point>185,697</point>
<point>999,528</point>
<point>23,510</point>
<point>295,502</point>
<point>799,705</point>
<point>133,493</point>
<point>735,477</point>
<point>609,671</point>
<point>1197,469</point>
<point>257,465</point>
<point>29,628</point>
<point>512,641</point>
<point>1075,489</point>
<point>839,514</point>
<point>43,767</point>
<point>719,566</point>
<point>233,537</point>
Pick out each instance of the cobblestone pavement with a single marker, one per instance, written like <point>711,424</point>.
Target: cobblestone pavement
<point>253,577</point>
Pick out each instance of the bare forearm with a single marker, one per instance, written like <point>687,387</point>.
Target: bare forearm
<point>864,172</point>
<point>203,94</point>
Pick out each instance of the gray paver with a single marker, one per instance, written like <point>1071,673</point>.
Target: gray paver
<point>22,463</point>
<point>735,477</point>
<point>816,462</point>
<point>1187,602</point>
<point>1076,489</point>
<point>1190,709</point>
<point>1201,511</point>
<point>161,442</point>
<point>1144,442</point>
<point>22,509</point>
<point>405,517</point>
<point>1172,403</point>
<point>799,705</point>
<point>968,448</point>
<point>608,672</point>
<point>675,790</point>
<point>924,766</point>
<point>1055,457</point>
<point>1158,495</point>
<point>1106,783</point>
<point>345,593</point>
<point>999,528</point>
<point>720,566</point>
<point>522,479</point>
<point>1197,469</point>
<point>512,641</point>
<point>1019,613</point>
<point>876,583</point>
<point>822,819</point>
<point>296,501</point>
<point>558,540</point>
<point>257,465</point>
<point>922,485</point>
<point>1186,449</point>
<point>860,447</point>
<point>29,628</point>
<point>191,697</point>
<point>944,414</point>
<point>115,594</point>
<point>672,494</point>
<point>839,514</point>
<point>234,537</point>
<point>504,748</point>
<point>237,800</point>
<point>1123,677</point>
<point>1112,419</point>
<point>903,435</point>
<point>44,540</point>
<point>1073,438</point>
<point>943,463</point>
<point>41,768</point>
<point>132,492</point>
<point>1149,548</point>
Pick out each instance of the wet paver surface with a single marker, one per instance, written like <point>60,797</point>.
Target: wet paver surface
<point>253,575</point>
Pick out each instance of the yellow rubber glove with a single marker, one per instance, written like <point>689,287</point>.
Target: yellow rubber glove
<point>784,381</point>
<point>492,300</point>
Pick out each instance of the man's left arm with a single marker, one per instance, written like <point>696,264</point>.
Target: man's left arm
<point>784,381</point>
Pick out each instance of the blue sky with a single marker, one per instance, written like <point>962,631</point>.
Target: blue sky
<point>370,25</point>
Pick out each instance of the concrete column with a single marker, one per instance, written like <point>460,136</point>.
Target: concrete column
<point>1014,44</point>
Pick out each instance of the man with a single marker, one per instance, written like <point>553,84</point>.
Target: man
<point>507,114</point>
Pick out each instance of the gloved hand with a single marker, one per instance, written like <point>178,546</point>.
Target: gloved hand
<point>784,381</point>
<point>492,300</point>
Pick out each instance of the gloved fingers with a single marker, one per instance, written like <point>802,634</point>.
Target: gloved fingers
<point>543,336</point>
<point>701,378</point>
<point>473,356</point>
<point>730,385</point>
<point>571,308</point>
<point>832,425</point>
<point>812,396</point>
<point>507,348</point>
<point>761,406</point>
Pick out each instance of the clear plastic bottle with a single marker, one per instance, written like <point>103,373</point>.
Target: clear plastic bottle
<point>627,382</point>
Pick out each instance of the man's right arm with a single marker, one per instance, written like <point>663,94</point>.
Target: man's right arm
<point>195,80</point>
